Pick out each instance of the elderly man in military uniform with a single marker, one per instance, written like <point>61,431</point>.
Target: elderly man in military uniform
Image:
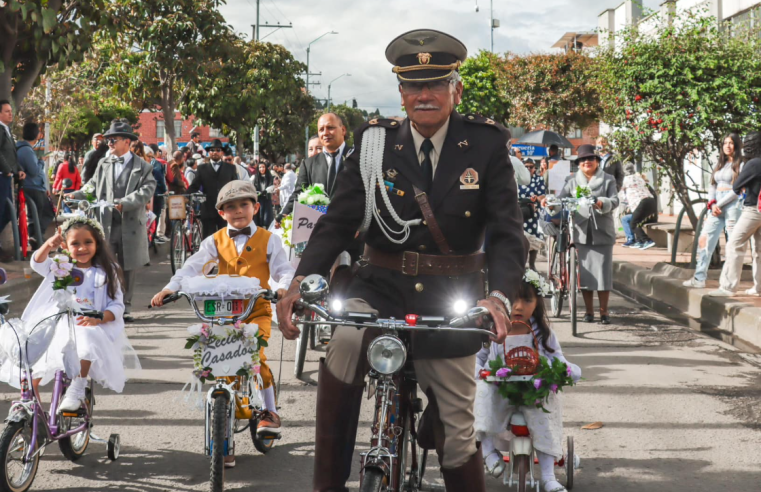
<point>456,229</point>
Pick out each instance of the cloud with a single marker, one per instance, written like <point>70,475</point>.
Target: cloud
<point>366,27</point>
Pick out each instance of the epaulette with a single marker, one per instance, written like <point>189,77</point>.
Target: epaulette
<point>387,123</point>
<point>482,120</point>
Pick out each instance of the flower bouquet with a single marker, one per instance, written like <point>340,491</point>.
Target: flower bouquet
<point>287,225</point>
<point>89,192</point>
<point>548,379</point>
<point>582,192</point>
<point>64,272</point>
<point>315,197</point>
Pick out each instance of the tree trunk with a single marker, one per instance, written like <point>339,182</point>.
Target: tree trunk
<point>680,188</point>
<point>6,84</point>
<point>167,108</point>
<point>240,141</point>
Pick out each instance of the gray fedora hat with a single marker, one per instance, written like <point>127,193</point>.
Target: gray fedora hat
<point>121,128</point>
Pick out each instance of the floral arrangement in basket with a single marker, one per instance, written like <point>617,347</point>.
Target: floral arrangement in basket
<point>315,197</point>
<point>582,192</point>
<point>548,378</point>
<point>287,225</point>
<point>201,334</point>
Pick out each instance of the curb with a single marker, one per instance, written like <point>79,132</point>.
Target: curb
<point>663,284</point>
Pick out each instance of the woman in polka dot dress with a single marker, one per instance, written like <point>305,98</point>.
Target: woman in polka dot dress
<point>535,191</point>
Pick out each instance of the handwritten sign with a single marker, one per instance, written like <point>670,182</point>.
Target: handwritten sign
<point>304,219</point>
<point>176,206</point>
<point>558,174</point>
<point>225,357</point>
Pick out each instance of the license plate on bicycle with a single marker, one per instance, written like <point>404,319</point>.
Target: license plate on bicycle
<point>228,307</point>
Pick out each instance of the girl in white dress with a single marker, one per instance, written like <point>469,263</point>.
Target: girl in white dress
<point>493,412</point>
<point>96,348</point>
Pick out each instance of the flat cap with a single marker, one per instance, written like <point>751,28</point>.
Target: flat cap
<point>425,54</point>
<point>235,190</point>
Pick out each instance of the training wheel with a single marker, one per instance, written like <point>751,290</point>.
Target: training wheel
<point>113,447</point>
<point>569,464</point>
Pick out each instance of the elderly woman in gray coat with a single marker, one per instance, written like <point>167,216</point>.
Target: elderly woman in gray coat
<point>594,238</point>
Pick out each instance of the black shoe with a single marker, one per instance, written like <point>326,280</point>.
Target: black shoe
<point>588,318</point>
<point>128,318</point>
<point>604,319</point>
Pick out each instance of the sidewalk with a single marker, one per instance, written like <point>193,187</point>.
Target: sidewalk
<point>648,274</point>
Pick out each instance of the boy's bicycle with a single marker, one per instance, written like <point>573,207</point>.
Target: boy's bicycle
<point>187,232</point>
<point>229,408</point>
<point>30,429</point>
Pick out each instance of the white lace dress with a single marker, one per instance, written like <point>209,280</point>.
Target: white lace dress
<point>105,345</point>
<point>493,412</point>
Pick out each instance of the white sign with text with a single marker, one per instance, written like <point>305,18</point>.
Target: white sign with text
<point>558,174</point>
<point>304,219</point>
<point>225,357</point>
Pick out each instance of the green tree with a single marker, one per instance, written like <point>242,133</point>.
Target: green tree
<point>39,33</point>
<point>162,49</point>
<point>481,94</point>
<point>551,90</point>
<point>282,133</point>
<point>266,83</point>
<point>678,91</point>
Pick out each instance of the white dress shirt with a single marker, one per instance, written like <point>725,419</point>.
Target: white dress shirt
<point>281,270</point>
<point>287,185</point>
<point>437,140</point>
<point>118,168</point>
<point>216,164</point>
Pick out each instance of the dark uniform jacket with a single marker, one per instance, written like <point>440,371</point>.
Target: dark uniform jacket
<point>8,159</point>
<point>314,171</point>
<point>212,181</point>
<point>470,219</point>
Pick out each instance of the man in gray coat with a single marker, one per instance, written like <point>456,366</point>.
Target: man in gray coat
<point>127,181</point>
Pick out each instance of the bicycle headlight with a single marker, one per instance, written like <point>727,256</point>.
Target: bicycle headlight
<point>460,307</point>
<point>386,355</point>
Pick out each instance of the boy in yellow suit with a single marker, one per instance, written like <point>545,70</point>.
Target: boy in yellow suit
<point>264,258</point>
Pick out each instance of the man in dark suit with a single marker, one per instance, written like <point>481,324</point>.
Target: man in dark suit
<point>324,166</point>
<point>210,178</point>
<point>611,164</point>
<point>8,167</point>
<point>453,193</point>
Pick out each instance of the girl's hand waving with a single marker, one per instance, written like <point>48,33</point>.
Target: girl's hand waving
<point>51,244</point>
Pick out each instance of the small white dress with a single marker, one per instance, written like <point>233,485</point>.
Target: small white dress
<point>493,412</point>
<point>106,346</point>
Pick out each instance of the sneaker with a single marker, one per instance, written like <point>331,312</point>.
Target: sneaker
<point>721,293</point>
<point>697,284</point>
<point>160,240</point>
<point>74,397</point>
<point>269,424</point>
<point>230,461</point>
<point>629,243</point>
<point>494,464</point>
<point>752,292</point>
<point>647,244</point>
<point>636,245</point>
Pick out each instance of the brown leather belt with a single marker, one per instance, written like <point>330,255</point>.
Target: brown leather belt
<point>414,264</point>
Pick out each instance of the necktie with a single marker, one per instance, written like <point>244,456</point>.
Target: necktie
<point>234,233</point>
<point>332,171</point>
<point>427,165</point>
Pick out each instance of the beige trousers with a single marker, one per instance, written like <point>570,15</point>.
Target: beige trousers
<point>747,227</point>
<point>449,380</point>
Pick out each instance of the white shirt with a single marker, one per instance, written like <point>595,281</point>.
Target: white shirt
<point>190,174</point>
<point>281,270</point>
<point>437,140</point>
<point>118,168</point>
<point>329,157</point>
<point>216,164</point>
<point>287,185</point>
<point>522,174</point>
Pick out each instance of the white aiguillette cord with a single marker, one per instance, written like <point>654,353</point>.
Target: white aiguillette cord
<point>371,169</point>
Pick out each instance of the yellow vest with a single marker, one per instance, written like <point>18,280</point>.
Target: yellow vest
<point>251,262</point>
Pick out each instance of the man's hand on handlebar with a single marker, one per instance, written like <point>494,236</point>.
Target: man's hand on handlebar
<point>285,308</point>
<point>498,314</point>
<point>158,299</point>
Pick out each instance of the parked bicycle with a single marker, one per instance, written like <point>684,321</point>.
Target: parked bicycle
<point>187,232</point>
<point>395,462</point>
<point>30,428</point>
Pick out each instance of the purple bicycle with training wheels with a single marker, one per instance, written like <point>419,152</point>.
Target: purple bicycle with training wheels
<point>29,427</point>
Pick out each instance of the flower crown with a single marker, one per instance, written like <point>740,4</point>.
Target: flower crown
<point>81,219</point>
<point>541,285</point>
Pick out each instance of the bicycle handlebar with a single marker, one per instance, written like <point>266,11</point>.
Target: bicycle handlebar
<point>264,294</point>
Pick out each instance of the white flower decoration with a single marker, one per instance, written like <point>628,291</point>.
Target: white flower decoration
<point>195,330</point>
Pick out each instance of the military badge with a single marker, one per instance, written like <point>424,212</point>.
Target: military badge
<point>391,174</point>
<point>469,179</point>
<point>424,58</point>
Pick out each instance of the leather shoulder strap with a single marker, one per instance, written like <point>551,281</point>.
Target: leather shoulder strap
<point>430,220</point>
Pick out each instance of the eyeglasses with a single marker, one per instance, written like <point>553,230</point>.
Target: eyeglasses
<point>530,167</point>
<point>113,140</point>
<point>587,159</point>
<point>435,87</point>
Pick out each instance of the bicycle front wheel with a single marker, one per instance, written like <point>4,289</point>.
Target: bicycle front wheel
<point>558,289</point>
<point>218,430</point>
<point>573,286</point>
<point>17,475</point>
<point>196,236</point>
<point>373,481</point>
<point>301,350</point>
<point>177,251</point>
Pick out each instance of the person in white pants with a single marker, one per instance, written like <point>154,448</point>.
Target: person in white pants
<point>748,226</point>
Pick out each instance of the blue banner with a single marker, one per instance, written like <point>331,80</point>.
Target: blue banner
<point>531,150</point>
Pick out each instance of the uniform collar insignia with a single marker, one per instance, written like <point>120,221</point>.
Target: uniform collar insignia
<point>462,144</point>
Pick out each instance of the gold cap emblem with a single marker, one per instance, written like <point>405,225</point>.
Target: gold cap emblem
<point>424,58</point>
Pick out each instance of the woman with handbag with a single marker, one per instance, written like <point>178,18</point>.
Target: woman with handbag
<point>528,196</point>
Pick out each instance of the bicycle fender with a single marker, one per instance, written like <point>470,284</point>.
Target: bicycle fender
<point>521,446</point>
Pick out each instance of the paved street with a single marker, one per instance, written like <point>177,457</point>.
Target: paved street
<point>681,412</point>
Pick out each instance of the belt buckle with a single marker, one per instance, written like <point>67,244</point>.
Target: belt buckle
<point>404,263</point>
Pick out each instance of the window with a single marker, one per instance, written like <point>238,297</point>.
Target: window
<point>160,127</point>
<point>745,24</point>
<point>575,133</point>
<point>215,133</point>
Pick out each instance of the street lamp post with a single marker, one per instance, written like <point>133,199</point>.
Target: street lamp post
<point>493,23</point>
<point>309,48</point>
<point>331,83</point>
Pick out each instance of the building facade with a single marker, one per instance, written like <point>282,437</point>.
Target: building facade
<point>152,125</point>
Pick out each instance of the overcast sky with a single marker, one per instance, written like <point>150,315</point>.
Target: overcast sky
<point>365,27</point>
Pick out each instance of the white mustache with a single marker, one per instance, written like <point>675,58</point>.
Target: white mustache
<point>426,106</point>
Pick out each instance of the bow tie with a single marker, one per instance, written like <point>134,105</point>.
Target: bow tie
<point>246,231</point>
<point>117,160</point>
